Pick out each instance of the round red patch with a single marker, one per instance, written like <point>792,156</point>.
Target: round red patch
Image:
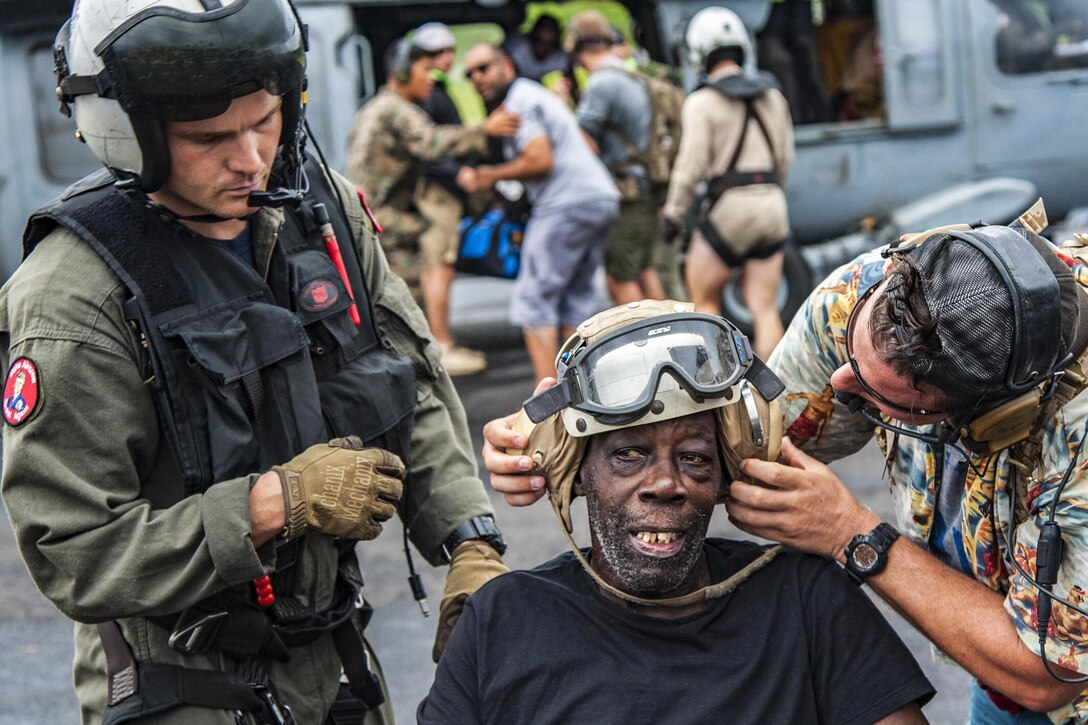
<point>22,391</point>
<point>319,295</point>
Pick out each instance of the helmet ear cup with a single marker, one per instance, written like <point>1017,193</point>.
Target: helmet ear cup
<point>556,455</point>
<point>741,436</point>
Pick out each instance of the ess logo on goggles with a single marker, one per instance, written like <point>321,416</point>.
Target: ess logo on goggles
<point>615,378</point>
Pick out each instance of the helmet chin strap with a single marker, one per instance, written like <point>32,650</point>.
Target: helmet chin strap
<point>711,591</point>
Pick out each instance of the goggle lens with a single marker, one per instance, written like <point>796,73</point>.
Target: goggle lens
<point>626,370</point>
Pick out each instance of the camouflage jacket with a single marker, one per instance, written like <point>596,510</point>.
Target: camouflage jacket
<point>389,143</point>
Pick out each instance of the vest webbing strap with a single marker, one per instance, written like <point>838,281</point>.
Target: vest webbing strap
<point>120,664</point>
<point>730,177</point>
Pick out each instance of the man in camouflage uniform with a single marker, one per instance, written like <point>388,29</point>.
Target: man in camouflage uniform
<point>392,139</point>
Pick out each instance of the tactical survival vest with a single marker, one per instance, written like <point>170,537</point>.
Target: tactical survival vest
<point>246,371</point>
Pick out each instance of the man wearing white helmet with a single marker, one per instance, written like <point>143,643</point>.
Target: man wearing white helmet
<point>222,386</point>
<point>655,406</point>
<point>738,140</point>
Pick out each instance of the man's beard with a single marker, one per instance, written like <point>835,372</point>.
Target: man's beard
<point>640,573</point>
<point>498,99</point>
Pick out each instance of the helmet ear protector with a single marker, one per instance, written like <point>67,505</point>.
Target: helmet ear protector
<point>399,59</point>
<point>1045,343</point>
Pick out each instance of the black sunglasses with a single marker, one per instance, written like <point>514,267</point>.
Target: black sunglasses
<point>873,394</point>
<point>481,68</point>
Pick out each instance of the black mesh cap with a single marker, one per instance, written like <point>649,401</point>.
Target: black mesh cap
<point>998,305</point>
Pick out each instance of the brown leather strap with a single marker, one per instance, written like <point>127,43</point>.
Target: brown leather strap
<point>120,664</point>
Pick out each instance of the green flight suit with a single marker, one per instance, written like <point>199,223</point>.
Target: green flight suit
<point>93,492</point>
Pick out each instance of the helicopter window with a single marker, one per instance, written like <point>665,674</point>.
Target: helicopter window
<point>853,65</point>
<point>1036,36</point>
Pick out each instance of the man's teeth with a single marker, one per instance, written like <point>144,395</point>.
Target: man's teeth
<point>657,537</point>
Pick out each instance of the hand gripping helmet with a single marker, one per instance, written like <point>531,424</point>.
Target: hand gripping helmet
<point>643,363</point>
<point>713,28</point>
<point>128,66</point>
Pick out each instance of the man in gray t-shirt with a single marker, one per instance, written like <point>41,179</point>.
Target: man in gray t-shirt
<point>574,204</point>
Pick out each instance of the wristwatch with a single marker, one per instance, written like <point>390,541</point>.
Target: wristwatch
<point>478,527</point>
<point>867,554</point>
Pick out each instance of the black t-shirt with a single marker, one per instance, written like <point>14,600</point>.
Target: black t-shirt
<point>795,643</point>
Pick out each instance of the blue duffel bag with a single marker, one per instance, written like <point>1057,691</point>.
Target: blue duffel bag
<point>490,245</point>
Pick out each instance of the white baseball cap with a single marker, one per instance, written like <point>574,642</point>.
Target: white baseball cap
<point>433,37</point>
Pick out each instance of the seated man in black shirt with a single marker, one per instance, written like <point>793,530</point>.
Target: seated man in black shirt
<point>662,624</point>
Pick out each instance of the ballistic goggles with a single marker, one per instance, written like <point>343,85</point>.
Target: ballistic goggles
<point>619,377</point>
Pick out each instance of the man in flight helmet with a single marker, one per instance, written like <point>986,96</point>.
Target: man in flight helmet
<point>224,387</point>
<point>738,140</point>
<point>654,407</point>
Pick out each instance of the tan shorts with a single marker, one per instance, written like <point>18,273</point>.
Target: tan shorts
<point>442,212</point>
<point>751,218</point>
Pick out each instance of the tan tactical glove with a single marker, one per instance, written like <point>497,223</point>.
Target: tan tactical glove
<point>474,563</point>
<point>341,489</point>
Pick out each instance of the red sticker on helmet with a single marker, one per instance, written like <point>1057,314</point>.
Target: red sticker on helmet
<point>22,391</point>
<point>318,296</point>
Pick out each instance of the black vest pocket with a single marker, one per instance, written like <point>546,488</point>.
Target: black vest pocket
<point>251,394</point>
<point>373,397</point>
<point>322,303</point>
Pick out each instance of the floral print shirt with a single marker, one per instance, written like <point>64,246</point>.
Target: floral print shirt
<point>974,533</point>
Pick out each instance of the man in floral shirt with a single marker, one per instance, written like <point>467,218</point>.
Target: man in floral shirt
<point>930,340</point>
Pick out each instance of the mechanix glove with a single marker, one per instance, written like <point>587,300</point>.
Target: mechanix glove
<point>474,564</point>
<point>340,488</point>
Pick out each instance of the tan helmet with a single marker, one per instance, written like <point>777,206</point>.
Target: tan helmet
<point>652,361</point>
<point>748,419</point>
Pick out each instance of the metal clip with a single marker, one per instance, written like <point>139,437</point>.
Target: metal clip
<point>281,714</point>
<point>197,636</point>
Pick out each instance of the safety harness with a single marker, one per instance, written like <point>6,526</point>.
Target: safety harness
<point>735,88</point>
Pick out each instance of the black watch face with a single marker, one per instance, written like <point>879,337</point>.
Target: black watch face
<point>865,556</point>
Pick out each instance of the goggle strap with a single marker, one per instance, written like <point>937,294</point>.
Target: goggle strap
<point>543,405</point>
<point>763,379</point>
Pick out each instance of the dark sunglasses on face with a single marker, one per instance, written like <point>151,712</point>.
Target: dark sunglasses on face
<point>481,68</point>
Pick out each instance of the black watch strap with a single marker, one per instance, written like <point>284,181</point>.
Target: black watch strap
<point>867,554</point>
<point>478,527</point>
